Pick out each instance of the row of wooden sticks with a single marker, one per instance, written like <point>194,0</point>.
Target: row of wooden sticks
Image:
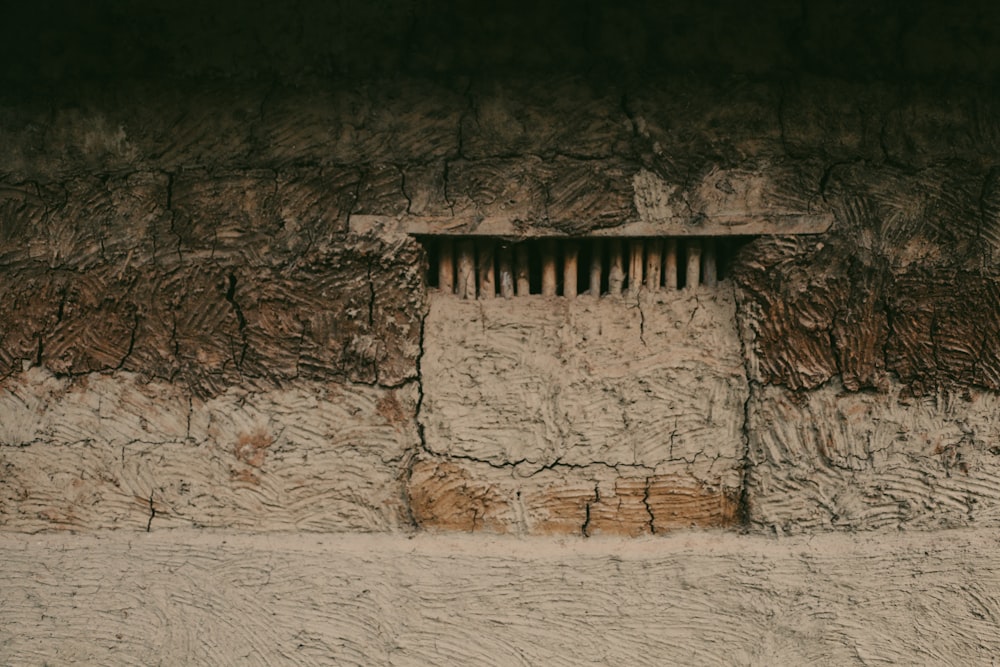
<point>486,268</point>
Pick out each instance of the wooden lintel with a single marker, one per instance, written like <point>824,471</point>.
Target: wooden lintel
<point>502,227</point>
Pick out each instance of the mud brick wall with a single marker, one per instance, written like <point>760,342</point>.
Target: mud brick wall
<point>200,325</point>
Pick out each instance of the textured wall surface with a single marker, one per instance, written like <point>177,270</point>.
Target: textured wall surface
<point>173,244</point>
<point>211,317</point>
<point>699,599</point>
<point>620,415</point>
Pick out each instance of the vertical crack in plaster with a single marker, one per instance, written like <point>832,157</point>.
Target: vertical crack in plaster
<point>241,320</point>
<point>402,189</point>
<point>131,342</point>
<point>411,459</point>
<point>371,299</point>
<point>152,512</point>
<point>173,214</point>
<point>585,528</point>
<point>630,115</point>
<point>743,508</point>
<point>445,187</point>
<point>645,503</point>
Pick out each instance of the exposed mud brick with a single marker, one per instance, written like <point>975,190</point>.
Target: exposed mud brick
<point>258,218</point>
<point>210,327</point>
<point>396,306</point>
<point>767,189</point>
<point>445,496</point>
<point>31,303</point>
<point>766,197</point>
<point>945,330</point>
<point>108,451</point>
<point>64,136</point>
<point>188,331</point>
<point>95,328</point>
<point>222,217</point>
<point>619,507</point>
<point>790,293</point>
<point>940,123</point>
<point>835,123</point>
<point>856,304</point>
<point>674,502</point>
<point>72,322</point>
<point>134,124</point>
<point>562,116</point>
<point>684,125</point>
<point>652,504</point>
<point>509,188</point>
<point>426,189</point>
<point>861,330</point>
<point>188,125</point>
<point>989,230</point>
<point>556,503</point>
<point>120,223</point>
<point>460,494</point>
<point>22,209</point>
<point>197,298</point>
<point>655,381</point>
<point>385,121</point>
<point>832,459</point>
<point>356,316</point>
<point>382,191</point>
<point>584,195</point>
<point>312,206</point>
<point>932,217</point>
<point>210,210</point>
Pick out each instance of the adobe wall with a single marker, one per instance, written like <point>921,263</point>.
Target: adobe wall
<point>196,332</point>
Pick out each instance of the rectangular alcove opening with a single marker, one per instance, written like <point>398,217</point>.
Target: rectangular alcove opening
<point>592,415</point>
<point>485,267</point>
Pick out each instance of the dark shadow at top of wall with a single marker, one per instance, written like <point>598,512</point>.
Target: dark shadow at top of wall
<point>52,40</point>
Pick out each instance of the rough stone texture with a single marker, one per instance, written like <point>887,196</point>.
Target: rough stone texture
<point>222,598</point>
<point>113,452</point>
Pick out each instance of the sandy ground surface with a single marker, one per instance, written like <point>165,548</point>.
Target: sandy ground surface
<point>219,598</point>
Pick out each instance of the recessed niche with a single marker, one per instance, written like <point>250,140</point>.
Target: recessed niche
<point>486,267</point>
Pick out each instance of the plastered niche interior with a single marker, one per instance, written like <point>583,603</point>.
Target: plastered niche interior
<point>567,409</point>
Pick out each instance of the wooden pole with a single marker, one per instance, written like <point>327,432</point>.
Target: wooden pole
<point>504,261</point>
<point>571,257</point>
<point>693,273</point>
<point>654,250</point>
<point>616,272</point>
<point>635,266</point>
<point>709,268</point>
<point>487,280</point>
<point>595,269</point>
<point>670,264</point>
<point>521,276</point>
<point>446,266</point>
<point>466,269</point>
<point>549,276</point>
